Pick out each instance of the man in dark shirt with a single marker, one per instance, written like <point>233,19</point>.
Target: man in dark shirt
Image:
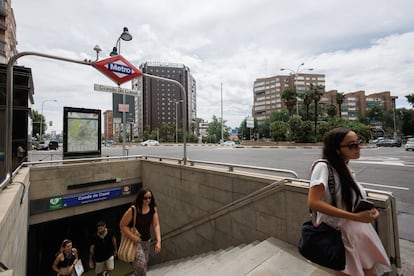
<point>103,250</point>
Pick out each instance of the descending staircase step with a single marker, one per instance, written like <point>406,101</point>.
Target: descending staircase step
<point>269,257</point>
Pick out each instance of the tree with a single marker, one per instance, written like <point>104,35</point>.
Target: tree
<point>410,99</point>
<point>331,110</point>
<point>37,120</point>
<point>279,130</point>
<point>307,100</point>
<point>316,91</point>
<point>340,98</point>
<point>289,96</point>
<point>375,115</point>
<point>280,115</point>
<point>214,130</point>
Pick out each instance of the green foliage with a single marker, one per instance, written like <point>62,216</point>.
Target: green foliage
<point>289,96</point>
<point>295,123</point>
<point>304,135</point>
<point>37,120</point>
<point>362,130</point>
<point>279,131</point>
<point>410,99</point>
<point>214,130</point>
<point>331,110</point>
<point>407,118</point>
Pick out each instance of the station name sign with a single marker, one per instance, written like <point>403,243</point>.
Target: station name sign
<point>83,198</point>
<point>113,89</point>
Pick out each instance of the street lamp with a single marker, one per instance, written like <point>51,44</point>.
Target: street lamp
<point>295,74</point>
<point>41,118</point>
<point>126,36</point>
<point>176,118</point>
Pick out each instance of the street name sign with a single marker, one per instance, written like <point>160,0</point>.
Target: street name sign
<point>113,89</point>
<point>118,69</point>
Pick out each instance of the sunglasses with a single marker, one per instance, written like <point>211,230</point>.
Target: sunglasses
<point>147,197</point>
<point>353,145</point>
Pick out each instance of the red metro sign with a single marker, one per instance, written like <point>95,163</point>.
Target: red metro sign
<point>118,69</point>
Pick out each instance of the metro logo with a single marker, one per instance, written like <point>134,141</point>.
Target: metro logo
<point>117,69</point>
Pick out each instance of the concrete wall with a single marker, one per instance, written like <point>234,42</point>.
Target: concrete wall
<point>66,179</point>
<point>201,208</point>
<point>14,202</point>
<point>196,199</point>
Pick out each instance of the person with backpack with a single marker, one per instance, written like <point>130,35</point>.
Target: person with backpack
<point>364,252</point>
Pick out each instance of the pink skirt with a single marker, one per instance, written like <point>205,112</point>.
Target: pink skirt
<point>363,249</point>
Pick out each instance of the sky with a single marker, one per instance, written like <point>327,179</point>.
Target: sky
<point>358,45</point>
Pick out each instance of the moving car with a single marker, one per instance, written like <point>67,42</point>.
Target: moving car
<point>389,143</point>
<point>409,145</point>
<point>150,143</point>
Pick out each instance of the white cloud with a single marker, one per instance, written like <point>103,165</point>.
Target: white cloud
<point>358,45</point>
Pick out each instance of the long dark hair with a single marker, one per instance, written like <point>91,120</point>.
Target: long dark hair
<point>331,152</point>
<point>140,198</point>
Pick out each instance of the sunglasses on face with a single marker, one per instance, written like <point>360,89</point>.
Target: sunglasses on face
<point>353,145</point>
<point>147,197</point>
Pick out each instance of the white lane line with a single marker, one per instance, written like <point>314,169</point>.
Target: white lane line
<point>384,186</point>
<point>392,163</point>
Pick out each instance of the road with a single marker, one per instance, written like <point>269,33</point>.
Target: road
<point>387,169</point>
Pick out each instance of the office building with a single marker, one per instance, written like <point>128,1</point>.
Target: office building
<point>267,92</point>
<point>7,31</point>
<point>157,103</point>
<point>108,125</point>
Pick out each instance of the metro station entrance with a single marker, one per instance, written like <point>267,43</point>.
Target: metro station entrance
<point>45,238</point>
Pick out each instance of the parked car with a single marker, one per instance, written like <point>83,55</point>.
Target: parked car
<point>150,143</point>
<point>47,145</point>
<point>389,143</point>
<point>229,143</point>
<point>409,145</point>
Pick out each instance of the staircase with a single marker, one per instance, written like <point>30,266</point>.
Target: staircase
<point>269,257</point>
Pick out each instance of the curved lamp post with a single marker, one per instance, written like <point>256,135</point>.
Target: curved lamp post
<point>295,74</point>
<point>9,105</point>
<point>126,36</point>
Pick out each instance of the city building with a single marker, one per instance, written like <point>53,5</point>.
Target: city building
<point>161,102</point>
<point>108,125</point>
<point>267,96</point>
<point>267,92</point>
<point>7,32</point>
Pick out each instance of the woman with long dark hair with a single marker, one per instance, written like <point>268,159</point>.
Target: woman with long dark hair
<point>146,215</point>
<point>66,259</point>
<point>365,254</point>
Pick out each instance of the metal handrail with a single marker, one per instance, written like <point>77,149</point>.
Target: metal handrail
<point>231,167</point>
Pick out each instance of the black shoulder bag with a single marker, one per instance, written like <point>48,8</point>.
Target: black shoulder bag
<point>323,244</point>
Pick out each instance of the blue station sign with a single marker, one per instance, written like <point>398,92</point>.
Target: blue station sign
<point>83,198</point>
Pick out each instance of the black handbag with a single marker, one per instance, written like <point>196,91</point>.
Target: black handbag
<point>323,244</point>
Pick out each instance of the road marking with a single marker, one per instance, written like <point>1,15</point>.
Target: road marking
<point>384,186</point>
<point>391,163</point>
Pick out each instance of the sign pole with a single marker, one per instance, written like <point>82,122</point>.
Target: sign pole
<point>124,151</point>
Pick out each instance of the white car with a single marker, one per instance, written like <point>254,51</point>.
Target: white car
<point>150,143</point>
<point>410,144</point>
<point>229,143</point>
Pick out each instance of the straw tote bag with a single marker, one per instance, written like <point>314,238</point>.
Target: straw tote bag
<point>127,248</point>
